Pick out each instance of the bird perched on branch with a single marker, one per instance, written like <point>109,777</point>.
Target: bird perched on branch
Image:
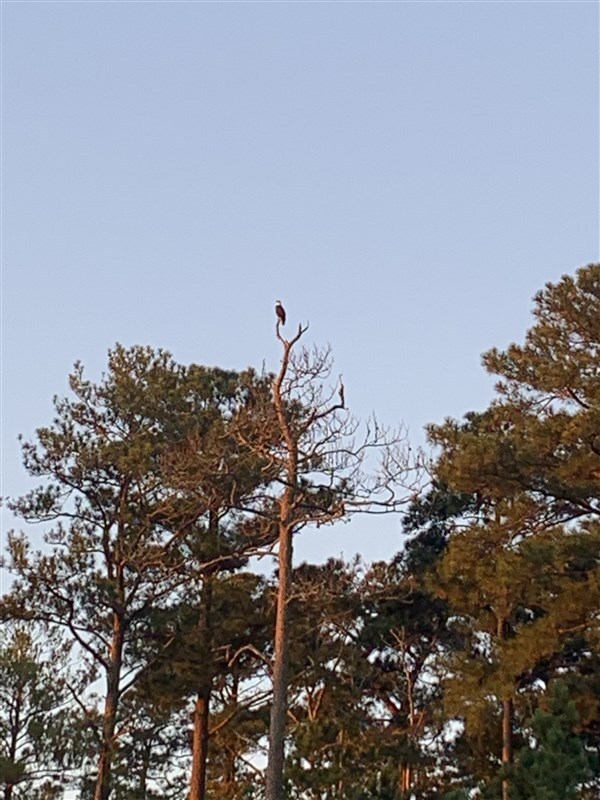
<point>280,311</point>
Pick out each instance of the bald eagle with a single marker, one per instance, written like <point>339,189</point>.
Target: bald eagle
<point>280,311</point>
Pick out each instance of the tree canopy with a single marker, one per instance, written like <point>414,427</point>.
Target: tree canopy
<point>146,652</point>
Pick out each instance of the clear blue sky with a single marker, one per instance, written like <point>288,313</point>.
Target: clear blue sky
<point>402,175</point>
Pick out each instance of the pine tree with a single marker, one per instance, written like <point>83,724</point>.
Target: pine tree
<point>122,525</point>
<point>38,722</point>
<point>556,764</point>
<point>540,435</point>
<point>319,477</point>
<point>216,640</point>
<point>523,572</point>
<point>325,693</point>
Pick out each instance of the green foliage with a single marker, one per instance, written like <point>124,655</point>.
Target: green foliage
<point>152,761</point>
<point>159,481</point>
<point>134,468</point>
<point>326,670</point>
<point>521,573</point>
<point>540,436</point>
<point>555,764</point>
<point>38,745</point>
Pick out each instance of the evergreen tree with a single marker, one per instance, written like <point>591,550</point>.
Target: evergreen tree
<point>365,688</point>
<point>523,574</point>
<point>319,477</point>
<point>540,435</point>
<point>555,765</point>
<point>38,723</point>
<point>122,526</point>
<point>328,721</point>
<point>213,659</point>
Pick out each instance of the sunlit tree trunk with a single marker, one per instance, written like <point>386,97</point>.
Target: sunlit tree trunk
<point>274,787</point>
<point>507,715</point>
<point>507,750</point>
<point>107,744</point>
<point>200,747</point>
<point>202,706</point>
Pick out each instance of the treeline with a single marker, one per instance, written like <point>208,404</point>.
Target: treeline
<point>145,656</point>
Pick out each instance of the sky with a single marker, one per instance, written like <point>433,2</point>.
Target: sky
<point>403,175</point>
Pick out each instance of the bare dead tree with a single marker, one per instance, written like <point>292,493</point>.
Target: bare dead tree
<point>326,467</point>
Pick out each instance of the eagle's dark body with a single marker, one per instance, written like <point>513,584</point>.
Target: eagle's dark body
<point>280,311</point>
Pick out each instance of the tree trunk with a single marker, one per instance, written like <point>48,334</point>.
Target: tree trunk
<point>406,779</point>
<point>507,714</point>
<point>200,747</point>
<point>230,767</point>
<point>102,791</point>
<point>276,756</point>
<point>340,784</point>
<point>143,787</point>
<point>111,702</point>
<point>202,706</point>
<point>274,787</point>
<point>407,774</point>
<point>14,737</point>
